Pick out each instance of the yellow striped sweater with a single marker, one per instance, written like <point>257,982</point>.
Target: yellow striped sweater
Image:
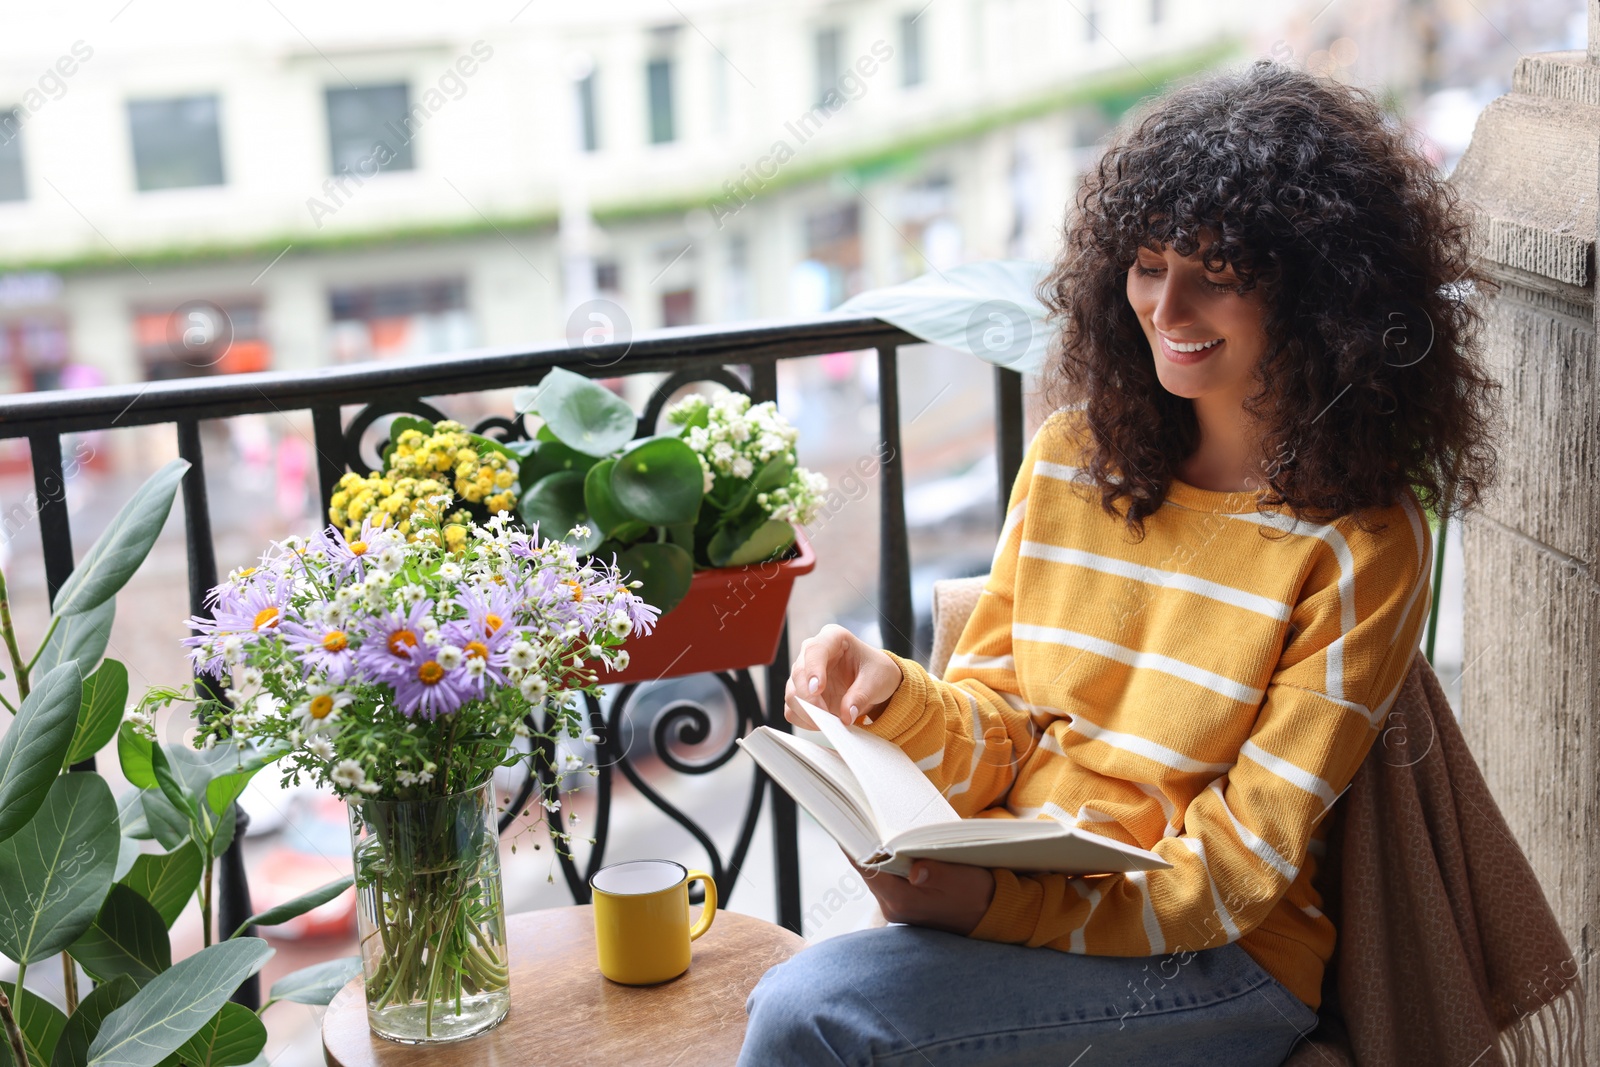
<point>1206,693</point>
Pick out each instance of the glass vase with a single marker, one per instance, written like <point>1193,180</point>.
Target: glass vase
<point>431,915</point>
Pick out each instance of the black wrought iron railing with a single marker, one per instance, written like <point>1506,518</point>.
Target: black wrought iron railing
<point>740,357</point>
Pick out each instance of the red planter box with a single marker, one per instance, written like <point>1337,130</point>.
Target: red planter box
<point>731,617</point>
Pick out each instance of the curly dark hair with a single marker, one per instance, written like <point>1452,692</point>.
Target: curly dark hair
<point>1370,380</point>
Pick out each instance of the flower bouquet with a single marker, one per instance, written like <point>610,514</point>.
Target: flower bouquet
<point>399,666</point>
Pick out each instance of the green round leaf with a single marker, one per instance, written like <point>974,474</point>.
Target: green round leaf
<point>770,539</point>
<point>232,1037</point>
<point>105,694</point>
<point>550,457</point>
<point>127,936</point>
<point>401,423</point>
<point>317,984</point>
<point>601,501</point>
<point>580,413</point>
<point>175,1005</point>
<point>35,744</point>
<point>664,569</point>
<point>556,503</point>
<point>56,870</point>
<point>659,481</point>
<point>133,752</point>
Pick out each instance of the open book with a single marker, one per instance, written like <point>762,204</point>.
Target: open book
<point>885,813</point>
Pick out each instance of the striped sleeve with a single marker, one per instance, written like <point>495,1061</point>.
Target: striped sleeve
<point>1244,839</point>
<point>968,730</point>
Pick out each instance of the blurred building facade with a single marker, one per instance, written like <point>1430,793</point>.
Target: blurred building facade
<point>188,190</point>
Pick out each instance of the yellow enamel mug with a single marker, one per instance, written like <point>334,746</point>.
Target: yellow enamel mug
<point>641,919</point>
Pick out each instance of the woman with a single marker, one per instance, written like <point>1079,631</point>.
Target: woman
<point>1209,587</point>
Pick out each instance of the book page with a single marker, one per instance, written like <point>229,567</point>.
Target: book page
<point>901,797</point>
<point>827,793</point>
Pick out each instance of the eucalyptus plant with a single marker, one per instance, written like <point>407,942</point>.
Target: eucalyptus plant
<point>75,880</point>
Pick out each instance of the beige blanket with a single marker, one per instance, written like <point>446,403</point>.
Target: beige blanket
<point>1448,952</point>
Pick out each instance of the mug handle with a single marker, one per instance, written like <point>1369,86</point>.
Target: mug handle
<point>708,911</point>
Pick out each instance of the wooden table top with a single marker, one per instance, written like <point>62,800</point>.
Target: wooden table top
<point>564,1012</point>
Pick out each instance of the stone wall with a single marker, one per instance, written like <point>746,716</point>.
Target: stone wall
<point>1530,684</point>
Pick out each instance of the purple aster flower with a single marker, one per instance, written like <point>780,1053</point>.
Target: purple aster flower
<point>321,648</point>
<point>388,641</point>
<point>427,688</point>
<point>351,557</point>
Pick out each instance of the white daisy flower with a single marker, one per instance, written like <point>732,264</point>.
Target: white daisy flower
<point>522,655</point>
<point>449,657</point>
<point>321,748</point>
<point>348,774</point>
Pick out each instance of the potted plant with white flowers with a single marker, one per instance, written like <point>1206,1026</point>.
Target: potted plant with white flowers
<point>706,516</point>
<point>400,667</point>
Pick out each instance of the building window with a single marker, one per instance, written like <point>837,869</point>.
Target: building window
<point>176,143</point>
<point>911,49</point>
<point>1091,21</point>
<point>370,129</point>
<point>201,337</point>
<point>34,352</point>
<point>659,76</point>
<point>828,45</point>
<point>833,251</point>
<point>588,128</point>
<point>12,184</point>
<point>408,319</point>
<point>607,276</point>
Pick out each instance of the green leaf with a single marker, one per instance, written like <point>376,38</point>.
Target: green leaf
<point>658,480</point>
<point>167,879</point>
<point>401,423</point>
<point>175,791</point>
<point>230,1038</point>
<point>773,473</point>
<point>223,836</point>
<point>175,1005</point>
<point>556,504</point>
<point>167,824</point>
<point>299,905</point>
<point>119,551</point>
<point>549,457</point>
<point>730,535</point>
<point>317,984</point>
<point>601,501</point>
<point>130,814</point>
<point>55,871</point>
<point>72,1048</point>
<point>489,444</point>
<point>581,414</point>
<point>82,637</point>
<point>35,744</point>
<point>133,752</point>
<point>664,569</point>
<point>227,787</point>
<point>105,694</point>
<point>769,539</point>
<point>128,936</point>
<point>41,1023</point>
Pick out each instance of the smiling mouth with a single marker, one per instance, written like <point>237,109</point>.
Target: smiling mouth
<point>1189,351</point>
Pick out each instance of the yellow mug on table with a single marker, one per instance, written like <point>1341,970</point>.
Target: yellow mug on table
<point>641,919</point>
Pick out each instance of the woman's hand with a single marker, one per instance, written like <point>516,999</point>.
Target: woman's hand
<point>842,674</point>
<point>949,896</point>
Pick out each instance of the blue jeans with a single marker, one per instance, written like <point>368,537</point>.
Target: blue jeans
<point>909,995</point>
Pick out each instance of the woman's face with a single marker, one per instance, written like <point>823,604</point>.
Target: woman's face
<point>1181,303</point>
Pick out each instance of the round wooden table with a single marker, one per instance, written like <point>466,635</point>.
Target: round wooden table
<point>563,1011</point>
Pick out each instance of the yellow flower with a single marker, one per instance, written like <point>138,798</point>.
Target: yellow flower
<point>505,480</point>
<point>339,499</point>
